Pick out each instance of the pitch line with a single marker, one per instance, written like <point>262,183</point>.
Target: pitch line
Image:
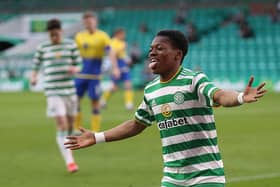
<point>254,177</point>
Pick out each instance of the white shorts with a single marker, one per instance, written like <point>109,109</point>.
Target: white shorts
<point>62,106</point>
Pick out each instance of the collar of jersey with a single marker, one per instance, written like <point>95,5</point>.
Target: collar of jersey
<point>178,71</point>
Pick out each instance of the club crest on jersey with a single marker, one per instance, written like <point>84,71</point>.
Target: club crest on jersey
<point>85,45</point>
<point>179,98</point>
<point>166,110</point>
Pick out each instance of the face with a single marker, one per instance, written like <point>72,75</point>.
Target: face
<point>164,59</point>
<point>90,23</point>
<point>55,36</point>
<point>121,35</point>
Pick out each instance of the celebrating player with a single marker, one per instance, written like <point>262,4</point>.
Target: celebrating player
<point>180,102</point>
<point>60,60</point>
<point>94,44</point>
<point>118,44</point>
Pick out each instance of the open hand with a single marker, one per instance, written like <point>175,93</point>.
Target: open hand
<point>73,70</point>
<point>253,94</point>
<point>86,139</point>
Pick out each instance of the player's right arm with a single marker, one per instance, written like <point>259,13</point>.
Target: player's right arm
<point>87,138</point>
<point>143,118</point>
<point>37,60</point>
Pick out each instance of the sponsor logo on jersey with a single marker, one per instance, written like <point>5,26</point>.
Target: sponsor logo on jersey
<point>179,98</point>
<point>166,110</point>
<point>85,45</point>
<point>171,123</point>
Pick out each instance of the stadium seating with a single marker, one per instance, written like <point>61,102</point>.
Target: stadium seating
<point>222,54</point>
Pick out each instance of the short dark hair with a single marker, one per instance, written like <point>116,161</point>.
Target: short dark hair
<point>118,30</point>
<point>177,39</point>
<point>89,14</point>
<point>53,24</point>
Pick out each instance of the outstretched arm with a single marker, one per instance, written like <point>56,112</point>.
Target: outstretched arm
<point>233,98</point>
<point>114,62</point>
<point>87,138</point>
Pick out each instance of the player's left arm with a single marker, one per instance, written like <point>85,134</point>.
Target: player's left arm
<point>76,60</point>
<point>113,59</point>
<point>234,98</point>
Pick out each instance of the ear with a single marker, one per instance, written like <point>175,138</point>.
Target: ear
<point>178,55</point>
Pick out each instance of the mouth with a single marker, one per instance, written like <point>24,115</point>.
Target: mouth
<point>153,63</point>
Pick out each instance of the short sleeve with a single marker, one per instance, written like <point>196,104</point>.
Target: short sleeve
<point>204,89</point>
<point>76,58</point>
<point>107,42</point>
<point>144,114</point>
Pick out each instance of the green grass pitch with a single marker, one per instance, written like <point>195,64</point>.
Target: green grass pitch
<point>248,138</point>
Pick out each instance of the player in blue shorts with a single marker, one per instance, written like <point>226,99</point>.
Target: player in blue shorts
<point>94,44</point>
<point>118,45</point>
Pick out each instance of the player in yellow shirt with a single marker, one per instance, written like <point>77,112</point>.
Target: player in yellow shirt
<point>94,44</point>
<point>118,45</point>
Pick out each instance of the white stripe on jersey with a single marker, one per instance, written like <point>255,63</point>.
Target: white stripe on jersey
<point>55,77</point>
<point>190,153</point>
<point>197,79</point>
<point>56,69</point>
<point>59,84</point>
<point>186,137</point>
<point>51,62</point>
<point>68,91</point>
<point>195,167</point>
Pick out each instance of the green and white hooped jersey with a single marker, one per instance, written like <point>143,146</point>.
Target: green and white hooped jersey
<point>55,61</point>
<point>182,110</point>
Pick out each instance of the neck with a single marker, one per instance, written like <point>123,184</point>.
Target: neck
<point>56,43</point>
<point>170,75</point>
<point>91,30</point>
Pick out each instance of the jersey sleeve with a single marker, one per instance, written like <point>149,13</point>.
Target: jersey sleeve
<point>144,114</point>
<point>107,42</point>
<point>37,59</point>
<point>76,58</point>
<point>204,89</point>
<point>77,40</point>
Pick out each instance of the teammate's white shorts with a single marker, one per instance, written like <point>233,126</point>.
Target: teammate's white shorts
<point>62,106</point>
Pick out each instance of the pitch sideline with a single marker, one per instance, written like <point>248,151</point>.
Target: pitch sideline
<point>254,177</point>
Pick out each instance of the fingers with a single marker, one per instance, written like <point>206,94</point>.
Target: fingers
<point>261,86</point>
<point>72,140</point>
<point>82,129</point>
<point>73,147</point>
<point>260,94</point>
<point>250,81</point>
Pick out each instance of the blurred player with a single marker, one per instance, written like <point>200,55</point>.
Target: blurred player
<point>94,44</point>
<point>118,44</point>
<point>180,102</point>
<point>60,60</point>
